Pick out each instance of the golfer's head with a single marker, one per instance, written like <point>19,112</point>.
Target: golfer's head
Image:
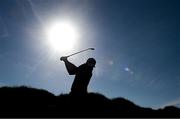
<point>91,62</point>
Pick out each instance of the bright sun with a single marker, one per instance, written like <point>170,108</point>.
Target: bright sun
<point>62,36</point>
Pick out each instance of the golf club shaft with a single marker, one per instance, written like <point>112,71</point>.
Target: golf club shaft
<point>80,52</point>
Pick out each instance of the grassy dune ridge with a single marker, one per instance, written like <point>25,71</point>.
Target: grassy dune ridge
<point>26,102</point>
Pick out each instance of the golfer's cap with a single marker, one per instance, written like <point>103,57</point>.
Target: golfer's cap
<point>91,61</point>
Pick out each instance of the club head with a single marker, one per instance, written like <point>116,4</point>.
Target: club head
<point>91,48</point>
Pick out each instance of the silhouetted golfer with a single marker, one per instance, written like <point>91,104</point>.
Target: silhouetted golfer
<point>83,75</point>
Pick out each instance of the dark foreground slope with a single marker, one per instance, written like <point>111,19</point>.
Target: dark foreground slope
<point>23,102</point>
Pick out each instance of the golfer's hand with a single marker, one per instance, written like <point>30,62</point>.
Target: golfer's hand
<point>63,58</point>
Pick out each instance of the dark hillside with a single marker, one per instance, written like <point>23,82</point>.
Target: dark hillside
<point>23,102</point>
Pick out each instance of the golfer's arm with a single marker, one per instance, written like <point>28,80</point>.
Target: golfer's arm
<point>71,68</point>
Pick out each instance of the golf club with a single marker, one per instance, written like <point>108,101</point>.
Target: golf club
<point>80,52</point>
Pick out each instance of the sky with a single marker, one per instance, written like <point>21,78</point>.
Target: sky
<point>136,47</point>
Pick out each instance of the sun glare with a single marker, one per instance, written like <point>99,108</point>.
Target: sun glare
<point>62,36</point>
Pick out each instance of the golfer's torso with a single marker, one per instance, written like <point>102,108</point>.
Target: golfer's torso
<point>82,78</point>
